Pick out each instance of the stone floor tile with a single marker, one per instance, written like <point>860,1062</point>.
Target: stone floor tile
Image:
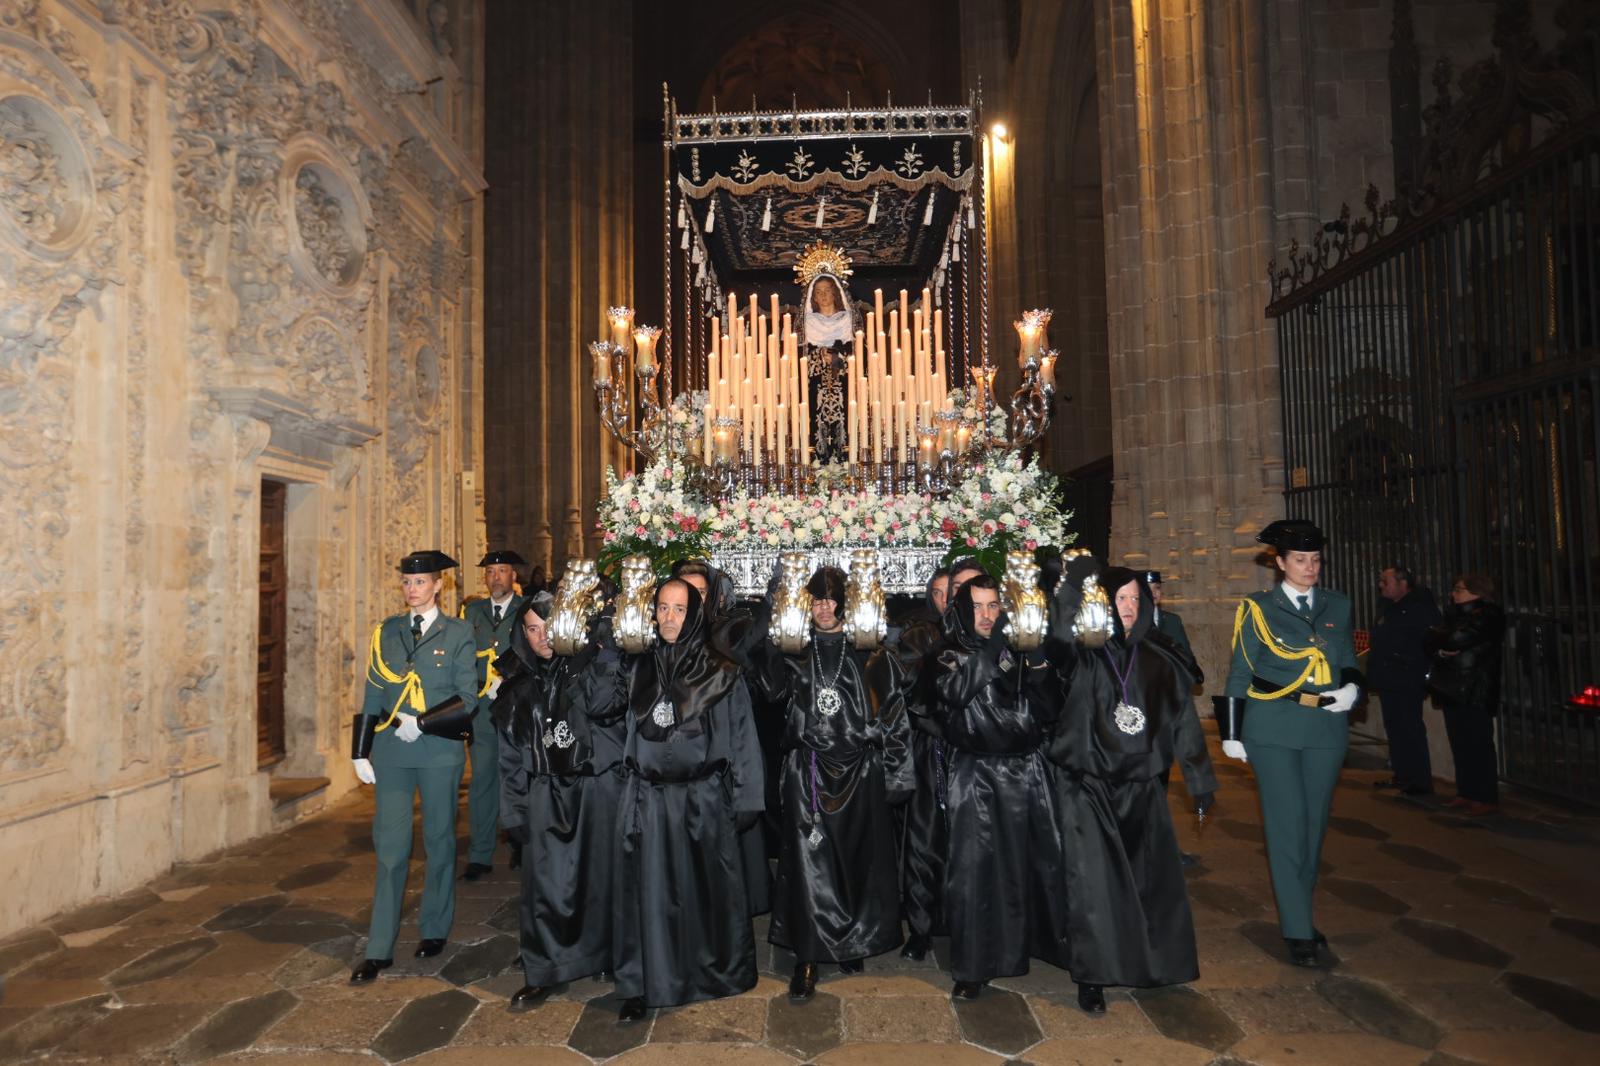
<point>95,936</point>
<point>241,953</point>
<point>1228,959</point>
<point>138,1030</point>
<point>999,1021</point>
<point>499,990</point>
<point>657,1054</point>
<point>1180,1013</point>
<point>1060,1018</point>
<point>886,984</point>
<point>493,1025</point>
<point>250,912</point>
<point>907,1055</point>
<point>805,1030</point>
<point>1364,895</point>
<point>184,988</point>
<point>1586,931</point>
<point>1396,959</point>
<point>900,1019</point>
<point>1501,892</point>
<point>1356,827</point>
<point>1420,858</point>
<point>425,1024</point>
<point>1452,943</point>
<point>10,1015</point>
<point>1456,1005</point>
<point>316,963</point>
<point>109,912</point>
<point>1117,1051</point>
<point>95,961</point>
<point>324,1024</point>
<point>1512,1048</point>
<point>739,1020</point>
<point>42,992</point>
<point>1228,901</point>
<point>487,958</point>
<point>1246,831</point>
<point>162,962</point>
<point>1379,1011</point>
<point>1561,1001</point>
<point>600,1035</point>
<point>1326,1049</point>
<point>1268,938</point>
<point>48,1028</point>
<point>498,1056</point>
<point>27,948</point>
<point>315,874</point>
<point>1284,1009</point>
<point>1041,979</point>
<point>234,1027</point>
<point>294,1058</point>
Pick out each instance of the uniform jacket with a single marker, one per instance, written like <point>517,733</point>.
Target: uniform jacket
<point>487,636</point>
<point>1283,722</point>
<point>445,661</point>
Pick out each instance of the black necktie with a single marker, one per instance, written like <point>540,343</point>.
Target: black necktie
<point>1305,605</point>
<point>416,627</point>
<point>497,614</point>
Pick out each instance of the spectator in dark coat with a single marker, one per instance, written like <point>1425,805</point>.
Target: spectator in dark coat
<point>1397,670</point>
<point>1466,684</point>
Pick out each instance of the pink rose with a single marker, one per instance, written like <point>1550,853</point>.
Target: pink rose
<point>1030,544</point>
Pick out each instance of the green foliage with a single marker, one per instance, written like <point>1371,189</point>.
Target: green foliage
<point>662,557</point>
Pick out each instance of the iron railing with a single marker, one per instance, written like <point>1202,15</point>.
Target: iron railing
<point>1439,403</point>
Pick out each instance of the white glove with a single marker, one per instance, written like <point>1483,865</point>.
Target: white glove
<point>1344,698</point>
<point>408,730</point>
<point>494,687</point>
<point>364,771</point>
<point>1234,749</point>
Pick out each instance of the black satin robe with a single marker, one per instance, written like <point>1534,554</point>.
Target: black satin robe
<point>1126,907</point>
<point>838,899</point>
<point>566,800</point>
<point>1004,865</point>
<point>925,834</point>
<point>682,911</point>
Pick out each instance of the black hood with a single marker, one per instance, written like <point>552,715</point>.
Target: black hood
<point>1114,578</point>
<point>689,672</point>
<point>960,629</point>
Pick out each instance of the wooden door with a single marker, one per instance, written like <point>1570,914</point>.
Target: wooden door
<point>274,592</point>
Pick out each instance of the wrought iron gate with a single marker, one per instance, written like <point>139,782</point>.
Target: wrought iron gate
<point>1441,379</point>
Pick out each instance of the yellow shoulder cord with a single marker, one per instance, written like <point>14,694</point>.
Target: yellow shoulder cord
<point>410,694</point>
<point>491,675</point>
<point>1316,668</point>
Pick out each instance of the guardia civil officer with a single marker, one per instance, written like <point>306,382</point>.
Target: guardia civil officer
<point>1292,682</point>
<point>418,659</point>
<point>493,621</point>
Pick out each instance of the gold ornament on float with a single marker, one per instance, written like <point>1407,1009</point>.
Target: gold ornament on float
<point>821,258</point>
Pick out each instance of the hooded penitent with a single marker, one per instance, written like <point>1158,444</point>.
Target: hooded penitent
<point>675,682</point>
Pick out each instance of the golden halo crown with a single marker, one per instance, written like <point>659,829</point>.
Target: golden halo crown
<point>821,258</point>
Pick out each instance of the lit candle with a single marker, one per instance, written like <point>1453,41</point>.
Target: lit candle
<point>853,415</point>
<point>963,439</point>
<point>1047,368</point>
<point>644,339</point>
<point>708,421</point>
<point>621,326</point>
<point>925,447</point>
<point>782,454</point>
<point>601,351</point>
<point>726,448</point>
<point>759,429</point>
<point>877,304</point>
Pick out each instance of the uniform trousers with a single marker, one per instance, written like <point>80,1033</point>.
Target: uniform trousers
<point>483,791</point>
<point>1296,790</point>
<point>395,792</point>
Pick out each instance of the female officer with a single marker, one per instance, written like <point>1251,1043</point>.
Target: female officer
<point>1293,679</point>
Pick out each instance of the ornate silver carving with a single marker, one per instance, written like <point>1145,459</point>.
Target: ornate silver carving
<point>900,570</point>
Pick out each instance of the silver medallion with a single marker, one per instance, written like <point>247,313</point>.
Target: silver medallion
<point>563,737</point>
<point>549,738</point>
<point>1129,718</point>
<point>815,838</point>
<point>661,714</point>
<point>829,703</point>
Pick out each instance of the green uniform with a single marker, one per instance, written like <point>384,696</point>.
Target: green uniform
<point>431,766</point>
<point>1296,750</point>
<point>483,793</point>
<point>1170,625</point>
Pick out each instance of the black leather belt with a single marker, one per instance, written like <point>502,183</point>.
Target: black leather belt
<point>1303,697</point>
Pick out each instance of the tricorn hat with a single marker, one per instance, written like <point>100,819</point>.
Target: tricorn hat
<point>426,562</point>
<point>1152,577</point>
<point>1293,535</point>
<point>509,558</point>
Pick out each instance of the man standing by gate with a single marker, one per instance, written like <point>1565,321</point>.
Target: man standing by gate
<point>1397,670</point>
<point>492,621</point>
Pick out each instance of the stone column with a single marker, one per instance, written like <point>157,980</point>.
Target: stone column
<point>559,164</point>
<point>1191,135</point>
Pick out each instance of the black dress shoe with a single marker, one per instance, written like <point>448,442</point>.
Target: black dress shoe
<point>852,966</point>
<point>916,948</point>
<point>966,990</point>
<point>1302,952</point>
<point>475,870</point>
<point>1092,999</point>
<point>1318,939</point>
<point>367,972</point>
<point>528,997</point>
<point>632,1010</point>
<point>804,981</point>
<point>427,949</point>
<point>516,856</point>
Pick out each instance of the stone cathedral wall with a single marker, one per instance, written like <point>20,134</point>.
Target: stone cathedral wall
<point>238,239</point>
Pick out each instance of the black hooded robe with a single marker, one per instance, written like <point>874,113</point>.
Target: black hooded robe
<point>837,893</point>
<point>1127,913</point>
<point>925,835</point>
<point>561,736</point>
<point>1003,866</point>
<point>693,767</point>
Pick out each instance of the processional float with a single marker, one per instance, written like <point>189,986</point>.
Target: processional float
<point>829,274</point>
